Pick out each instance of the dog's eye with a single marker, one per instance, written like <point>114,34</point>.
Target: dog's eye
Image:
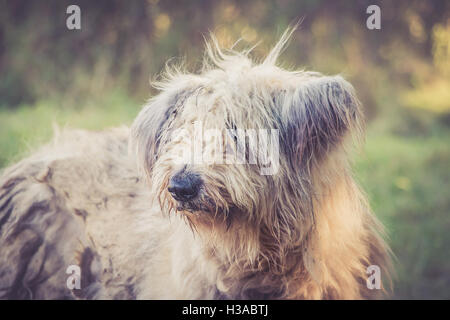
<point>234,136</point>
<point>232,132</point>
<point>238,146</point>
<point>232,126</point>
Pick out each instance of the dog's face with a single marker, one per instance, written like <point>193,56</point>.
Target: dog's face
<point>238,143</point>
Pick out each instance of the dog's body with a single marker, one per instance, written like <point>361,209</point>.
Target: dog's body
<point>196,231</point>
<point>86,206</point>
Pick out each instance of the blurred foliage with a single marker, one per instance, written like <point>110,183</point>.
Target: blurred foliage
<point>99,76</point>
<point>432,90</point>
<point>121,44</point>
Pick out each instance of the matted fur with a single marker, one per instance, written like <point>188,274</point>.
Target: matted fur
<point>305,232</point>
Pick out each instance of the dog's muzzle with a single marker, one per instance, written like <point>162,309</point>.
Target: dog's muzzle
<point>184,186</point>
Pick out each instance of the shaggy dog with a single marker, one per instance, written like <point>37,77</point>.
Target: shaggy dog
<point>144,215</point>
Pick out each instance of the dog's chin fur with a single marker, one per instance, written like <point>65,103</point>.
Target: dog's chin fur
<point>100,201</point>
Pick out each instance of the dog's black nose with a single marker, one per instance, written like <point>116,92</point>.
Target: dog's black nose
<point>184,186</point>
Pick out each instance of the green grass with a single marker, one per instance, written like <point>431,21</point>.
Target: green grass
<point>26,127</point>
<point>406,178</point>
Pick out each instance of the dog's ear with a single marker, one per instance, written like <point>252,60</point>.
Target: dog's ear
<point>153,123</point>
<point>316,114</point>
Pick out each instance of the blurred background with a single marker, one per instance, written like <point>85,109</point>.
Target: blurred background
<point>99,77</point>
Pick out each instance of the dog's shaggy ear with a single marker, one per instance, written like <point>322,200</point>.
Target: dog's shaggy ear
<point>155,119</point>
<point>317,114</point>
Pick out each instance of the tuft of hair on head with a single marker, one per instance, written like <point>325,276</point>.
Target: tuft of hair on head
<point>217,57</point>
<point>272,57</point>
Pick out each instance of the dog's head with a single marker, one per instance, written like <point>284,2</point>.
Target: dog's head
<point>234,148</point>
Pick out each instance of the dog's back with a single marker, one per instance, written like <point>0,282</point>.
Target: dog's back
<point>45,202</point>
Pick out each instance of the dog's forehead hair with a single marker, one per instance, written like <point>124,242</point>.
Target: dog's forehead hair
<point>248,100</point>
<point>217,108</point>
